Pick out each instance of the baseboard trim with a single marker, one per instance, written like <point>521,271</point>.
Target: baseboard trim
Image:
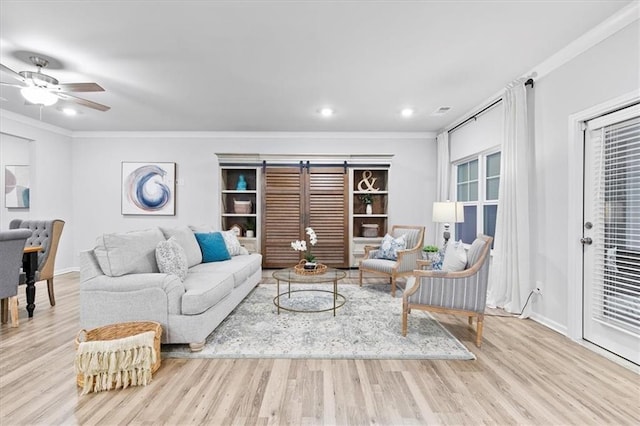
<point>540,319</point>
<point>66,270</point>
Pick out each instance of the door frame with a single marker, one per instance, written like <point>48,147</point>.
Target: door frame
<point>575,211</point>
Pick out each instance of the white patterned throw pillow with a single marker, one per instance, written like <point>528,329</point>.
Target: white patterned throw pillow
<point>172,258</point>
<point>455,258</point>
<point>390,246</point>
<point>233,245</point>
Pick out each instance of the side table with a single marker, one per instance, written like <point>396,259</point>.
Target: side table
<point>424,264</point>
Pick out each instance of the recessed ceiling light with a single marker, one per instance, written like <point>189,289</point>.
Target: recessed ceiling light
<point>70,111</point>
<point>326,112</point>
<point>407,112</point>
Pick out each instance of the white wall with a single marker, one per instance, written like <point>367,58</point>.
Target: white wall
<point>49,155</point>
<point>97,176</point>
<point>603,72</point>
<point>477,135</point>
<point>606,71</point>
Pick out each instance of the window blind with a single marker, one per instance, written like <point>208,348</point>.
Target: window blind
<point>616,289</point>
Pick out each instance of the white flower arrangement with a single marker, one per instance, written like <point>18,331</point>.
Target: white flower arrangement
<point>301,245</point>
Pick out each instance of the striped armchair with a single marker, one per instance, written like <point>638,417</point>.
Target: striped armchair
<point>406,262</point>
<point>463,292</point>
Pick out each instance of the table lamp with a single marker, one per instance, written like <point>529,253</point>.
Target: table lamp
<point>447,212</point>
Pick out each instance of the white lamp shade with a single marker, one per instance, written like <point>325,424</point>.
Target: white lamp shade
<point>448,212</point>
<point>38,96</point>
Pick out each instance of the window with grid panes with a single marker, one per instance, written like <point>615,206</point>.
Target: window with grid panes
<point>477,186</point>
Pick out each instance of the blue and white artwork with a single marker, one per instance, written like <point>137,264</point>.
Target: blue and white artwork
<point>16,187</point>
<point>148,188</point>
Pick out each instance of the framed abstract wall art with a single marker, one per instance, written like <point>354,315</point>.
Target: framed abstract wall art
<point>16,187</point>
<point>148,189</point>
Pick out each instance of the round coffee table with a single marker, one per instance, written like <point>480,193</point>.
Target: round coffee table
<point>289,275</point>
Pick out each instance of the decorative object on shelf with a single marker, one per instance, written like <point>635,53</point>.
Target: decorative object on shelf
<point>368,181</point>
<point>367,200</point>
<point>447,212</point>
<point>370,230</point>
<point>309,268</point>
<point>148,188</point>
<point>16,187</point>
<point>251,227</point>
<point>241,207</point>
<point>237,229</point>
<point>301,245</point>
<point>242,184</point>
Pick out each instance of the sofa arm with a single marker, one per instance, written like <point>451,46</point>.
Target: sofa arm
<point>135,297</point>
<point>165,287</point>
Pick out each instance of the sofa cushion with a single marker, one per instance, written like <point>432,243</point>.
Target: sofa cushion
<point>455,257</point>
<point>128,252</point>
<point>184,236</point>
<point>212,246</point>
<point>241,267</point>
<point>204,291</point>
<point>172,258</point>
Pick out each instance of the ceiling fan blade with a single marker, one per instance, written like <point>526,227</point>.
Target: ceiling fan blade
<point>83,102</point>
<point>12,73</point>
<point>80,87</point>
<point>2,83</point>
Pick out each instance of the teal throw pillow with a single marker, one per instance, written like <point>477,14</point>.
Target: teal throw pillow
<point>212,246</point>
<point>390,246</point>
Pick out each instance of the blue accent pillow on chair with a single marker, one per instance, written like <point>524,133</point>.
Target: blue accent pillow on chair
<point>390,246</point>
<point>212,246</point>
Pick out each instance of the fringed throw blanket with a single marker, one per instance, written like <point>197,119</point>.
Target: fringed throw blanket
<point>110,364</point>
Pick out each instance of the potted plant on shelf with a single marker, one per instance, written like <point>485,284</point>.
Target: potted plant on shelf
<point>367,200</point>
<point>251,227</point>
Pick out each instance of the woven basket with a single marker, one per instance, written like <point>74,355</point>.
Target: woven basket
<point>242,207</point>
<point>319,269</point>
<point>119,331</point>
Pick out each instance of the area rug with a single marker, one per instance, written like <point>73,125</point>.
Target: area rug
<point>368,326</point>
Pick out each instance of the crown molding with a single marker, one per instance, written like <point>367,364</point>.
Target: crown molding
<point>34,123</point>
<point>616,22</point>
<point>257,135</point>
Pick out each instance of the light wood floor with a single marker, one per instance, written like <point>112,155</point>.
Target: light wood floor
<point>524,374</point>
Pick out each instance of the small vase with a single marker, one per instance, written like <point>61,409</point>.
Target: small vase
<point>310,265</point>
<point>369,209</point>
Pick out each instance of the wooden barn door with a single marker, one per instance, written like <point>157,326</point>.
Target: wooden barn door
<point>327,213</point>
<point>297,197</point>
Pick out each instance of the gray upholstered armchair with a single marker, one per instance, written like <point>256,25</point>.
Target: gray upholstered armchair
<point>46,233</point>
<point>463,292</point>
<point>11,249</point>
<point>407,259</point>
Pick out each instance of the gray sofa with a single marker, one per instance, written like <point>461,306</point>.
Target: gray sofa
<point>120,280</point>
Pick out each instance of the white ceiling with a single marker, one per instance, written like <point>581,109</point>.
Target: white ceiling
<point>270,65</point>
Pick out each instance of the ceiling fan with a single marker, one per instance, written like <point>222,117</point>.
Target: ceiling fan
<point>42,89</point>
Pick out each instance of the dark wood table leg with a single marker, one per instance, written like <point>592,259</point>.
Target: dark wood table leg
<point>30,265</point>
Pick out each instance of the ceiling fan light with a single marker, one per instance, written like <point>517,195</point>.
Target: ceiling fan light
<point>38,96</point>
<point>407,112</point>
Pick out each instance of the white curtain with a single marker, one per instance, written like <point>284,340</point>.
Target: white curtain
<point>510,278</point>
<point>443,170</point>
